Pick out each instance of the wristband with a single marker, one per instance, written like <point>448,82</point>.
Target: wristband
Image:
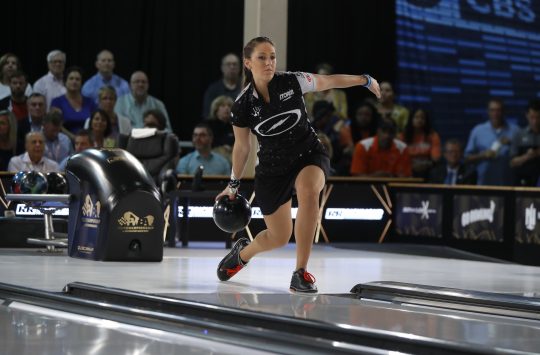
<point>368,78</point>
<point>234,184</point>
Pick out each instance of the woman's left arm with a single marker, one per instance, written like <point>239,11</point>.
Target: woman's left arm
<point>339,81</point>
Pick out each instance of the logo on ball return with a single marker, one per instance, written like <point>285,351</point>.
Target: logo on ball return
<point>279,123</point>
<point>130,222</point>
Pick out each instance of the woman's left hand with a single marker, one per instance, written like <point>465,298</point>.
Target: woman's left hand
<point>374,87</point>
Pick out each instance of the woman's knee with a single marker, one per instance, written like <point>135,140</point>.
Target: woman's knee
<point>280,236</point>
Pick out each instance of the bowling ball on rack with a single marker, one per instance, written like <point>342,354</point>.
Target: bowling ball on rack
<point>16,182</point>
<point>34,182</point>
<point>232,215</point>
<point>57,183</point>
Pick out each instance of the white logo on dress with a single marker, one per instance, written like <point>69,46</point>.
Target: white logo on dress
<point>286,95</point>
<point>279,123</point>
<point>256,111</point>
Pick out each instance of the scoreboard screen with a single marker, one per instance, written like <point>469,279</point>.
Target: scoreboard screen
<point>453,55</point>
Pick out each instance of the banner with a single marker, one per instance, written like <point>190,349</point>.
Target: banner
<point>418,214</point>
<point>478,218</point>
<point>528,220</point>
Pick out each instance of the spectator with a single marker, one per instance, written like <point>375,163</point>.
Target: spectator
<point>9,63</point>
<point>213,163</point>
<point>489,147</point>
<point>382,155</point>
<point>525,148</point>
<point>16,101</point>
<point>328,125</point>
<point>336,97</point>
<point>33,158</point>
<point>365,122</point>
<point>82,141</point>
<point>154,119</point>
<point>8,138</point>
<point>51,85</point>
<point>57,145</point>
<point>389,109</point>
<point>220,124</point>
<point>229,85</point>
<point>74,106</point>
<point>100,130</point>
<point>104,76</point>
<point>423,143</point>
<point>138,101</point>
<point>106,101</point>
<point>453,171</point>
<point>34,122</point>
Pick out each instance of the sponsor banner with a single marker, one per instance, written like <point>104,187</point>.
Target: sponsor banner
<point>418,214</point>
<point>478,218</point>
<point>528,220</point>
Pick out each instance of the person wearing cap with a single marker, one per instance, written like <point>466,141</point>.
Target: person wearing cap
<point>382,155</point>
<point>51,85</point>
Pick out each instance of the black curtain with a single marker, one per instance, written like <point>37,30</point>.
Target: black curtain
<point>179,44</point>
<point>354,36</point>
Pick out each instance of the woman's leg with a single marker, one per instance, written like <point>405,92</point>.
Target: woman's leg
<point>309,184</point>
<point>277,233</point>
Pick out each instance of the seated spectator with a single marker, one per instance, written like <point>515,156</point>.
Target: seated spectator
<point>229,85</point>
<point>220,123</point>
<point>452,170</point>
<point>51,85</point>
<point>9,63</point>
<point>213,163</point>
<point>106,102</point>
<point>388,108</point>
<point>82,142</point>
<point>336,97</point>
<point>382,155</point>
<point>16,101</point>
<point>156,149</point>
<point>489,147</point>
<point>75,107</point>
<point>134,104</point>
<point>100,130</point>
<point>8,138</point>
<point>327,123</point>
<point>423,143</point>
<point>57,145</point>
<point>33,158</point>
<point>105,76</point>
<point>364,123</point>
<point>525,148</point>
<point>36,107</point>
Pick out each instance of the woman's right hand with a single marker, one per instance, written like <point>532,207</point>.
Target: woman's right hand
<point>226,192</point>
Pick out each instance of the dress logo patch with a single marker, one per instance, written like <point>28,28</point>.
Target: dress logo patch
<point>279,123</point>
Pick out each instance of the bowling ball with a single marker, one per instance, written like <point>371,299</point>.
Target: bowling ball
<point>57,183</point>
<point>232,215</point>
<point>16,182</point>
<point>34,182</point>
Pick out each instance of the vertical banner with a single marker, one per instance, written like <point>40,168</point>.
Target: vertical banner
<point>478,218</point>
<point>527,220</point>
<point>418,214</point>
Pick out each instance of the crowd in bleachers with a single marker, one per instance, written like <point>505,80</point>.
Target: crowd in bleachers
<point>43,124</point>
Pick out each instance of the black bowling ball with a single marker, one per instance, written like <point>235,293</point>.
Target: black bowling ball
<point>57,183</point>
<point>34,182</point>
<point>232,215</point>
<point>16,182</point>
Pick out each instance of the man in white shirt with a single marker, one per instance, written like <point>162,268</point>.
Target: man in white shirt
<point>138,101</point>
<point>51,85</point>
<point>33,158</point>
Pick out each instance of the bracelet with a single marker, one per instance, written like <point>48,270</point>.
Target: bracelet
<point>368,78</point>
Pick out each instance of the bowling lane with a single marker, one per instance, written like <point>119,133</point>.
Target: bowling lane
<point>479,331</point>
<point>36,330</point>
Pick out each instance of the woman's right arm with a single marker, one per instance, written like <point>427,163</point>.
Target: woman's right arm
<point>240,153</point>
